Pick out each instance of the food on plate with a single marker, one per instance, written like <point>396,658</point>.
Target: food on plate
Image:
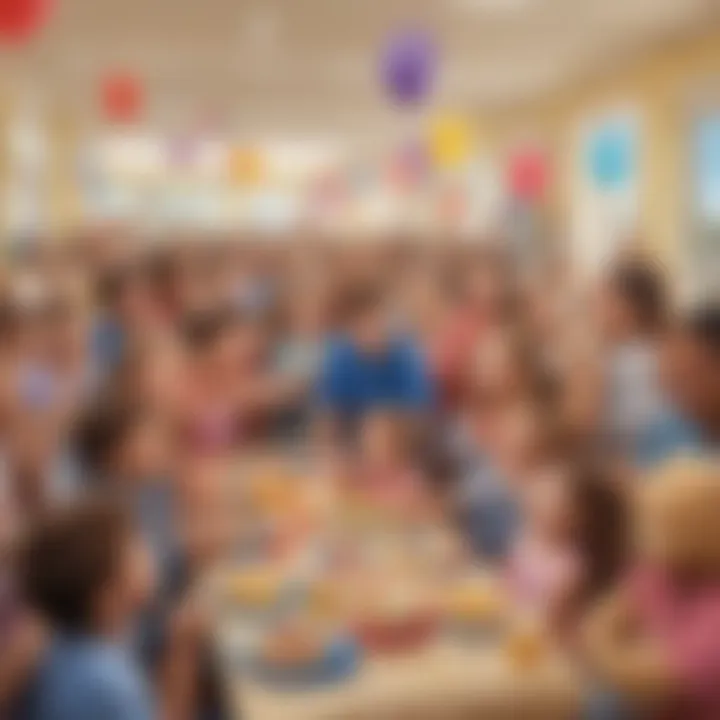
<point>474,601</point>
<point>400,619</point>
<point>255,588</point>
<point>526,645</point>
<point>293,644</point>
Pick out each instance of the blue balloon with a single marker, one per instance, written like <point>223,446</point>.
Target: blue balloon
<point>611,156</point>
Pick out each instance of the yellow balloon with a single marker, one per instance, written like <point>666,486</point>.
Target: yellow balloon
<point>451,141</point>
<point>245,166</point>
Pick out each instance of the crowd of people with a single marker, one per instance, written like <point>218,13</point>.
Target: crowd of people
<point>568,426</point>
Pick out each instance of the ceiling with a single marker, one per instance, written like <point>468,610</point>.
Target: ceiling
<point>310,66</point>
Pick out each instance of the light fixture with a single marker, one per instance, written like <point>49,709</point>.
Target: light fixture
<point>496,7</point>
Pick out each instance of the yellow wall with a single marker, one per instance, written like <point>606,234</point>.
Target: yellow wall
<point>662,86</point>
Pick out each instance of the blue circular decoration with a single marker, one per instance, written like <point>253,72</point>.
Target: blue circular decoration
<point>611,156</point>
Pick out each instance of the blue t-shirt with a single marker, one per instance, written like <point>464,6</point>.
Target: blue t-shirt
<point>87,679</point>
<point>107,344</point>
<point>670,435</point>
<point>353,382</point>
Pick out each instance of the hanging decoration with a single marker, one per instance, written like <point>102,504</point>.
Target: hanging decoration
<point>122,96</point>
<point>182,151</point>
<point>450,141</point>
<point>246,167</point>
<point>611,155</point>
<point>528,174</point>
<point>408,67</point>
<point>408,166</point>
<point>453,205</point>
<point>21,19</point>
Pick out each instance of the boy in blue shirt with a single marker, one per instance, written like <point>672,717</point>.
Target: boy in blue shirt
<point>85,574</point>
<point>371,366</point>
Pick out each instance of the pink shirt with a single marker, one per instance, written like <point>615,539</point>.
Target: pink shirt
<point>687,621</point>
<point>451,355</point>
<point>395,487</point>
<point>539,574</point>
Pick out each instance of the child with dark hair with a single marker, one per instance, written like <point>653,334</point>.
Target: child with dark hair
<point>83,571</point>
<point>211,414</point>
<point>690,361</point>
<point>571,546</point>
<point>127,310</point>
<point>633,315</point>
<point>126,447</point>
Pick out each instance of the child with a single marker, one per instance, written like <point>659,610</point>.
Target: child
<point>506,439</point>
<point>124,447</point>
<point>386,469</point>
<point>21,637</point>
<point>632,318</point>
<point>297,362</point>
<point>83,571</point>
<point>127,447</point>
<point>40,470</point>
<point>211,413</point>
<point>151,372</point>
<point>570,547</point>
<point>656,640</point>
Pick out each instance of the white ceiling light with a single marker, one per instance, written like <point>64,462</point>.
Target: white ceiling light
<point>496,7</point>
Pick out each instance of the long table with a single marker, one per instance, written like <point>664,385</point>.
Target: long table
<point>450,678</point>
<point>441,682</point>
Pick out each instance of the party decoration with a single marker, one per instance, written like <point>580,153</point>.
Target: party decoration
<point>706,166</point>
<point>182,151</point>
<point>453,204</point>
<point>451,141</point>
<point>122,97</point>
<point>408,166</point>
<point>246,167</point>
<point>611,155</point>
<point>408,67</point>
<point>21,19</point>
<point>528,174</point>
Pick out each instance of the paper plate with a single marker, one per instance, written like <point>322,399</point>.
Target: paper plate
<point>397,635</point>
<point>340,661</point>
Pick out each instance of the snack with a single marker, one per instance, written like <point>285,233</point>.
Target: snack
<point>328,597</point>
<point>526,645</point>
<point>399,619</point>
<point>292,645</point>
<point>474,602</point>
<point>254,588</point>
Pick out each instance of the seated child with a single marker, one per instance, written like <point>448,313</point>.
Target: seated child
<point>212,392</point>
<point>507,443</point>
<point>386,471</point>
<point>544,564</point>
<point>21,637</point>
<point>83,571</point>
<point>125,446</point>
<point>571,545</point>
<point>656,640</point>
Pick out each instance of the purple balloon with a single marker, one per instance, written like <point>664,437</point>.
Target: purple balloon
<point>409,66</point>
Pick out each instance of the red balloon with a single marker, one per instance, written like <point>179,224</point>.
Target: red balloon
<point>20,19</point>
<point>122,97</point>
<point>528,174</point>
